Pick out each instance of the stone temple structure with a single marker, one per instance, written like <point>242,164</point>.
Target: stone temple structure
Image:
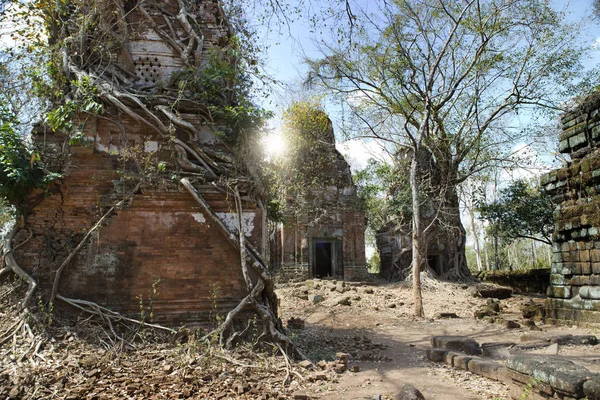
<point>574,293</point>
<point>162,248</point>
<point>327,238</point>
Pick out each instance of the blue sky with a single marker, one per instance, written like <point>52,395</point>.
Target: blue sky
<point>287,47</point>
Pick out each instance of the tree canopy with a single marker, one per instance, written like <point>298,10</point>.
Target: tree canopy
<point>443,80</point>
<point>521,211</point>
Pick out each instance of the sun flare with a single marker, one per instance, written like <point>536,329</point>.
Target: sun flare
<point>274,144</point>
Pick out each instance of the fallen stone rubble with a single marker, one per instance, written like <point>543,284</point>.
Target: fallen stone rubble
<point>536,376</point>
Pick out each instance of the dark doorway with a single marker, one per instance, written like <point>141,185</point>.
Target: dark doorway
<point>434,262</point>
<point>323,260</point>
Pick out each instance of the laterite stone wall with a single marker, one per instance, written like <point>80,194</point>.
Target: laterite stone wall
<point>574,292</point>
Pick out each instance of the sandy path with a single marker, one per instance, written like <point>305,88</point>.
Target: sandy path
<point>382,315</point>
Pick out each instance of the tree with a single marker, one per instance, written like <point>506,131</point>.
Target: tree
<point>441,80</point>
<point>372,184</point>
<point>522,211</point>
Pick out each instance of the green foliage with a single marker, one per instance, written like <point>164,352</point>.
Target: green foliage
<point>374,263</point>
<point>20,170</point>
<point>522,211</point>
<point>223,85</point>
<point>62,116</point>
<point>302,178</point>
<point>372,185</point>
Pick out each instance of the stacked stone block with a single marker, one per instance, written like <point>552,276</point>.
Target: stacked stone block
<point>574,292</point>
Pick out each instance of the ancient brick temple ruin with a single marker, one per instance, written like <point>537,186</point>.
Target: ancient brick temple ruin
<point>327,240</point>
<point>574,294</point>
<point>394,244</point>
<point>162,247</point>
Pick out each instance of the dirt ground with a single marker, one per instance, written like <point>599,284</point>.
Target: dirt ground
<point>388,344</point>
<point>370,322</point>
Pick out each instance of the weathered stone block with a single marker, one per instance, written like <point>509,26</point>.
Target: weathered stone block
<point>591,388</point>
<point>435,354</point>
<point>460,343</point>
<point>584,256</point>
<point>449,357</point>
<point>498,351</point>
<point>558,279</point>
<point>462,362</point>
<point>595,255</point>
<point>590,292</point>
<point>563,292</point>
<point>525,380</point>
<point>563,146</point>
<point>570,383</point>
<point>489,369</point>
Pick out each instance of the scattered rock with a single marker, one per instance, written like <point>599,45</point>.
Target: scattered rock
<point>409,392</point>
<point>355,368</point>
<point>460,343</point>
<point>532,310</point>
<point>552,349</point>
<point>340,287</point>
<point>305,364</point>
<point>531,325</point>
<point>14,393</point>
<point>369,291</point>
<point>493,305</point>
<point>344,301</point>
<point>343,357</point>
<point>575,340</point>
<point>300,395</point>
<point>339,367</point>
<point>442,315</point>
<point>392,305</point>
<point>320,376</point>
<point>316,298</point>
<point>484,312</point>
<point>509,324</point>
<point>302,294</point>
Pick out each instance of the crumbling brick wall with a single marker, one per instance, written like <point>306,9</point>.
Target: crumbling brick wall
<point>574,292</point>
<point>161,239</point>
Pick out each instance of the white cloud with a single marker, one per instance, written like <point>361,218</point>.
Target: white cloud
<point>358,152</point>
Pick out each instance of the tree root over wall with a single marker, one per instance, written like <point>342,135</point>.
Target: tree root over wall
<point>261,298</point>
<point>115,88</point>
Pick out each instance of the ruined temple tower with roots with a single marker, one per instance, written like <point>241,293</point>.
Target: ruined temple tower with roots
<point>322,232</point>
<point>157,206</point>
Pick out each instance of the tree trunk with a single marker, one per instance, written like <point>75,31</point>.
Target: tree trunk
<point>475,237</point>
<point>487,255</point>
<point>417,235</point>
<point>455,236</point>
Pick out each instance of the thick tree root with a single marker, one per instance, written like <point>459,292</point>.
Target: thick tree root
<point>260,296</point>
<point>11,263</point>
<point>107,315</point>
